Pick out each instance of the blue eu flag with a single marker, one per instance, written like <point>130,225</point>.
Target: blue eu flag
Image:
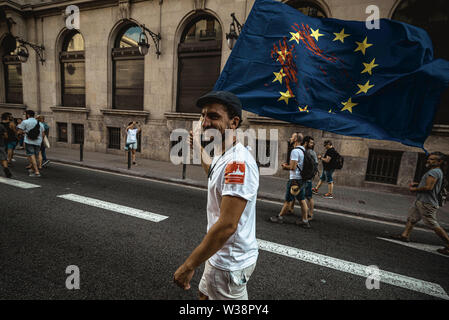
<point>337,75</point>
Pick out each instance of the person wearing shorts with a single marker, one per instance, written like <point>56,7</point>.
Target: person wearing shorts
<point>426,204</point>
<point>32,147</point>
<point>295,184</point>
<point>132,130</point>
<point>229,248</point>
<point>328,170</point>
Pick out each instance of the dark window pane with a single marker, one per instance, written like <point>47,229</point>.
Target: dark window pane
<point>13,83</point>
<point>128,86</point>
<point>62,131</point>
<point>78,133</point>
<point>197,77</point>
<point>73,91</point>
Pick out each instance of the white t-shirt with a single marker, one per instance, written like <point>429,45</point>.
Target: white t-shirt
<point>298,156</point>
<point>27,125</point>
<point>235,173</point>
<point>131,137</point>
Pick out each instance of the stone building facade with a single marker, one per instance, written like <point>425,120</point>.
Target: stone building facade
<point>94,81</point>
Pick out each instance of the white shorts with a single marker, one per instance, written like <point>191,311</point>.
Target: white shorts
<point>220,284</point>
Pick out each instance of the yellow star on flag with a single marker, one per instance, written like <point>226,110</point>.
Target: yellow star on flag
<point>348,105</point>
<point>295,36</point>
<point>362,46</point>
<point>285,96</point>
<point>278,76</point>
<point>316,33</point>
<point>341,36</point>
<point>365,87</point>
<point>282,54</point>
<point>303,109</point>
<point>370,66</point>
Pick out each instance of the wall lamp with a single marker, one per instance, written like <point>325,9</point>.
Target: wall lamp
<point>10,45</point>
<point>144,45</point>
<point>232,36</point>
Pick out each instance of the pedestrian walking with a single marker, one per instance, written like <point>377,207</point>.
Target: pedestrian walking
<point>328,160</point>
<point>20,136</point>
<point>132,130</point>
<point>34,132</point>
<point>3,139</point>
<point>229,249</point>
<point>427,203</point>
<point>43,161</point>
<point>11,141</point>
<point>295,184</point>
<point>309,145</point>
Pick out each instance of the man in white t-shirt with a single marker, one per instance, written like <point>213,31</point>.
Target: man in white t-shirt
<point>32,146</point>
<point>295,183</point>
<point>229,248</point>
<point>132,130</point>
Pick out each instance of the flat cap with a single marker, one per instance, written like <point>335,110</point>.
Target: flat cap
<point>224,97</point>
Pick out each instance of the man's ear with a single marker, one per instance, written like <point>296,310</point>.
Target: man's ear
<point>235,122</point>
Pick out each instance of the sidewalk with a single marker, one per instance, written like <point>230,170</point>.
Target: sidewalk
<point>353,201</point>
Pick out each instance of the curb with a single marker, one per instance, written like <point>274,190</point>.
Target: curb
<point>260,196</point>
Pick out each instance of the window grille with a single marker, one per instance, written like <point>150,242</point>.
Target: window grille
<point>383,166</point>
<point>78,133</point>
<point>113,138</point>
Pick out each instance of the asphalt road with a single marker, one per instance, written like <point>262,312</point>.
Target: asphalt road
<point>124,257</point>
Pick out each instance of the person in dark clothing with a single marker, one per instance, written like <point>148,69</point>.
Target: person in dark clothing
<point>3,139</point>
<point>328,169</point>
<point>11,141</point>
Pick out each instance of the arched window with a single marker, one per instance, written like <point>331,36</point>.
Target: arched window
<point>308,8</point>
<point>432,17</point>
<point>13,77</point>
<point>199,59</point>
<point>73,73</point>
<point>128,70</point>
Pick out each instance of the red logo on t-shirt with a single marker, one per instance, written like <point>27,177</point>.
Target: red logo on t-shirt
<point>235,173</point>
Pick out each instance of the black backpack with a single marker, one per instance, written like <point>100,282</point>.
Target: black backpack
<point>338,161</point>
<point>33,134</point>
<point>309,168</point>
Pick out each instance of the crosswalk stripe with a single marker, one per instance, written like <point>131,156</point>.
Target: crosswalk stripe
<point>150,216</point>
<point>17,183</point>
<point>415,245</point>
<point>394,279</point>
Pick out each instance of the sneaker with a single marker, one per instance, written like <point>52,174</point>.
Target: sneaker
<point>328,196</point>
<point>7,172</point>
<point>45,163</point>
<point>13,160</point>
<point>32,174</point>
<point>315,190</point>
<point>277,219</point>
<point>303,224</point>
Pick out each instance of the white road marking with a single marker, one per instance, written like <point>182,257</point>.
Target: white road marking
<point>394,279</point>
<point>17,183</point>
<point>420,246</point>
<point>154,217</point>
